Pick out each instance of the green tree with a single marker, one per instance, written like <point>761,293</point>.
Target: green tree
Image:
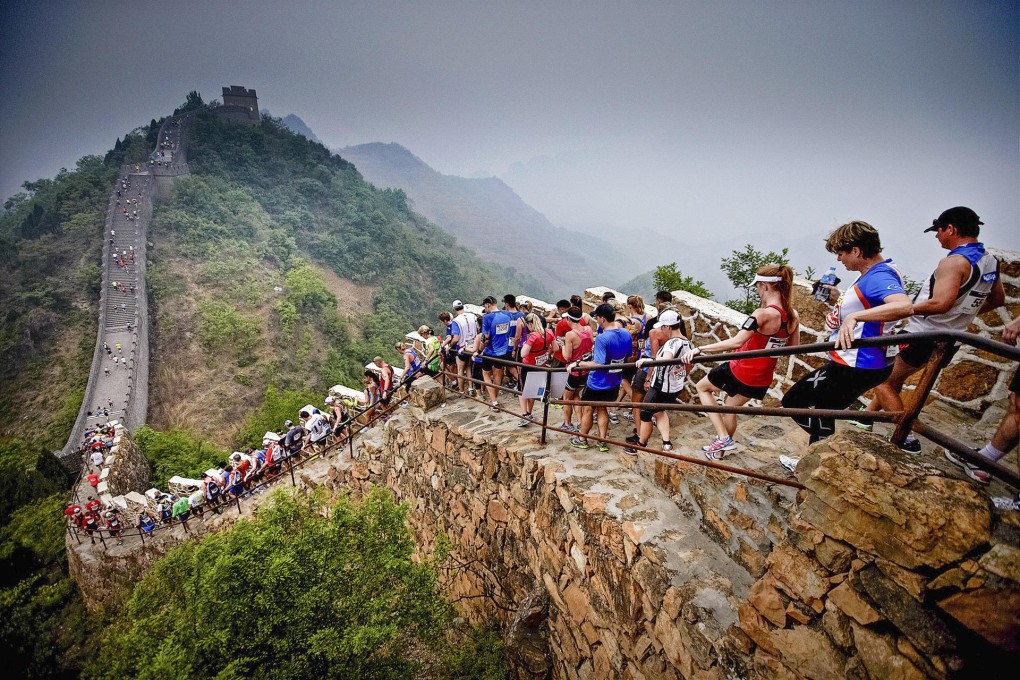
<point>176,452</point>
<point>741,268</point>
<point>291,594</point>
<point>668,277</point>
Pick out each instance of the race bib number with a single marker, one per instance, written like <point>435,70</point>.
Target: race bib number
<point>775,342</point>
<point>976,299</point>
<point>541,360</point>
<point>502,328</point>
<point>614,362</point>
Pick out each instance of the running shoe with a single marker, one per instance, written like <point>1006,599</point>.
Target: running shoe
<point>789,462</point>
<point>972,471</point>
<point>911,445</point>
<point>861,425</point>
<point>633,439</point>
<point>494,407</point>
<point>667,446</point>
<point>633,451</point>
<point>628,415</point>
<point>567,427</point>
<point>603,447</point>
<point>524,422</point>
<point>614,418</point>
<point>716,450</point>
<point>1007,503</point>
<point>579,443</point>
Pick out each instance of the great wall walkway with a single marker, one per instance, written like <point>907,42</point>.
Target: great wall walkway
<point>117,387</point>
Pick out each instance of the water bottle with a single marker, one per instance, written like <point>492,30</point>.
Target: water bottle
<point>822,294</point>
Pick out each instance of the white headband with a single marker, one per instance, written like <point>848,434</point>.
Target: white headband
<point>758,278</point>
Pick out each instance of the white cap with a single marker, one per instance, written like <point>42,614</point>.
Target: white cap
<point>457,304</point>
<point>667,318</point>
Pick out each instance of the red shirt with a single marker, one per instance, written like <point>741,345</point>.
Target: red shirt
<point>71,511</point>
<point>93,479</point>
<point>539,343</point>
<point>93,505</point>
<point>761,371</point>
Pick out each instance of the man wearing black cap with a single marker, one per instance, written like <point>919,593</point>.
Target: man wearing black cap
<point>965,283</point>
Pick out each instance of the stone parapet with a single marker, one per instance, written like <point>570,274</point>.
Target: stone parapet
<point>891,570</point>
<point>635,587</point>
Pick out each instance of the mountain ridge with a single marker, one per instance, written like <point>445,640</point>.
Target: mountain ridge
<point>487,212</point>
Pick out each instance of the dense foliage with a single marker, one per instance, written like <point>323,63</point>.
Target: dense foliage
<point>668,277</point>
<point>42,614</point>
<point>292,594</point>
<point>50,242</point>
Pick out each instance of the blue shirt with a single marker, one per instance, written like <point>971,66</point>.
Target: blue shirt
<point>496,326</point>
<point>613,346</point>
<point>870,290</point>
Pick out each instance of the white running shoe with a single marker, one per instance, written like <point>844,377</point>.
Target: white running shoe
<point>789,462</point>
<point>972,471</point>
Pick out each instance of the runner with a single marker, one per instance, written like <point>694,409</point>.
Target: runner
<point>577,345</point>
<point>864,310</point>
<point>465,328</point>
<point>612,346</point>
<point>493,345</point>
<point>666,382</point>
<point>774,324</point>
<point>534,352</point>
<point>965,283</point>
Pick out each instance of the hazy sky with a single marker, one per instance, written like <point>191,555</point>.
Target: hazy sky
<point>710,121</point>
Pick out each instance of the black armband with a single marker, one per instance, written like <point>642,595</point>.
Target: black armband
<point>751,324</point>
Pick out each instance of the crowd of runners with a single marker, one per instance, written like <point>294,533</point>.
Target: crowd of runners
<point>495,347</point>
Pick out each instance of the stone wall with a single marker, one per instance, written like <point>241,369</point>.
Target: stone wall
<point>881,567</point>
<point>892,570</point>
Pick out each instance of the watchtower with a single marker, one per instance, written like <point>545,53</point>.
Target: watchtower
<point>240,104</point>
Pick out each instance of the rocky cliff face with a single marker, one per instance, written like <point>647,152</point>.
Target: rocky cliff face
<point>891,570</point>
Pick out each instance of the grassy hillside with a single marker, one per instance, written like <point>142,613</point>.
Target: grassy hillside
<point>277,264</point>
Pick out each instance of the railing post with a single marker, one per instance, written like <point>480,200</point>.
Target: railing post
<point>290,460</point>
<point>545,403</point>
<point>76,536</point>
<point>237,499</point>
<point>917,398</point>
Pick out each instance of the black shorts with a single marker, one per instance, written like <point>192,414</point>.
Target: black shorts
<point>599,395</point>
<point>1014,384</point>
<point>488,364</point>
<point>637,383</point>
<point>629,373</point>
<point>575,381</point>
<point>654,396</point>
<point>465,356</point>
<point>450,359</point>
<point>917,353</point>
<point>723,378</point>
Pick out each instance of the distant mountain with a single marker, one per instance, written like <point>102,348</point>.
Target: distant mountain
<point>488,217</point>
<point>293,123</point>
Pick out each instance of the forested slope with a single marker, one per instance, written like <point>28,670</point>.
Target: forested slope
<point>266,209</point>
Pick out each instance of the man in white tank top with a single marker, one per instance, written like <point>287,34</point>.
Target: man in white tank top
<point>965,283</point>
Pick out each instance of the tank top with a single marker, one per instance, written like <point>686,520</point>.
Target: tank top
<point>539,353</point>
<point>415,360</point>
<point>760,372</point>
<point>984,272</point>
<point>670,379</point>
<point>583,352</point>
<point>468,329</point>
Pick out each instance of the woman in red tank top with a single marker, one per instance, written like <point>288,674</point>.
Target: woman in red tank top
<point>774,324</point>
